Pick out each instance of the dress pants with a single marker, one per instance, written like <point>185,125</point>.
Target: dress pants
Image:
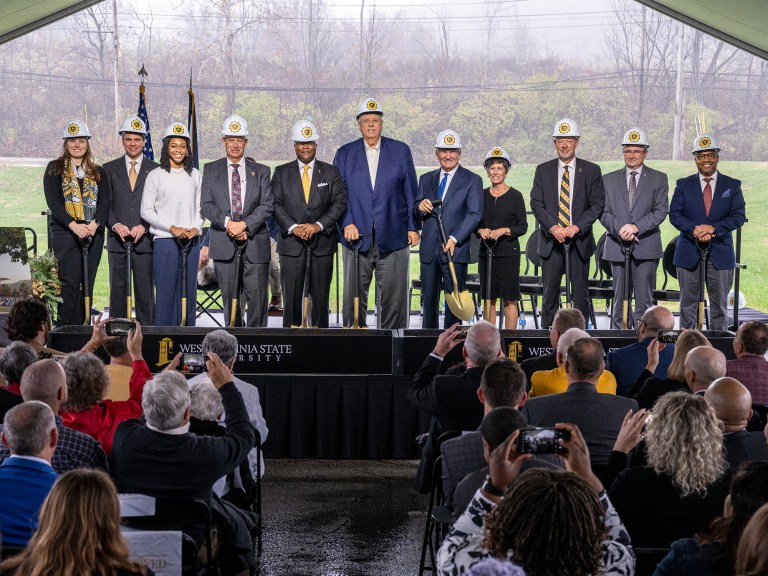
<point>254,290</point>
<point>718,283</point>
<point>436,276</point>
<point>167,270</point>
<point>274,272</point>
<point>643,280</point>
<point>143,286</point>
<point>552,271</point>
<point>69,251</point>
<point>391,270</point>
<point>292,276</point>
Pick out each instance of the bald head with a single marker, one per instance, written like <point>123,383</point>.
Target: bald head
<point>703,365</point>
<point>732,403</point>
<point>45,381</point>
<point>655,318</point>
<point>483,344</point>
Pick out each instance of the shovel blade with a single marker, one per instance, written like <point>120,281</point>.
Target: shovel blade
<point>461,304</point>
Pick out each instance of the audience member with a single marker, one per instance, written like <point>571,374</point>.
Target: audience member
<point>714,553</point>
<point>648,388</point>
<point>29,321</point>
<point>205,409</point>
<point>598,416</point>
<point>87,382</point>
<point>684,485</point>
<point>79,532</point>
<point>703,365</point>
<point>630,435</point>
<point>752,554</point>
<point>119,369</point>
<point>452,400</point>
<point>502,384</point>
<point>26,476</point>
<point>13,361</point>
<point>549,522</point>
<point>565,319</point>
<point>627,363</point>
<point>160,457</point>
<point>492,567</point>
<point>733,405</point>
<point>45,381</point>
<point>555,381</point>
<point>750,366</point>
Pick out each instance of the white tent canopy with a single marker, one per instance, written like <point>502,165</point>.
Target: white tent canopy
<point>19,17</point>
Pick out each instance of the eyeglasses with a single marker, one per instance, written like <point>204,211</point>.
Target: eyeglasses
<point>634,152</point>
<point>707,155</point>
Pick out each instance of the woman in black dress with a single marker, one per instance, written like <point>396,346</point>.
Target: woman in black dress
<point>504,221</point>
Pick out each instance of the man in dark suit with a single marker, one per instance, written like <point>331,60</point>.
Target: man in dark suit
<point>706,207</point>
<point>567,197</point>
<point>126,179</point>
<point>598,416</point>
<point>733,405</point>
<point>381,187</point>
<point>452,400</point>
<point>565,319</point>
<point>461,194</point>
<point>636,203</point>
<point>627,363</point>
<point>236,197</point>
<point>310,198</point>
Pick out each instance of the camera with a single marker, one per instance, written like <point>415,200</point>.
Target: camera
<point>193,363</point>
<point>535,440</point>
<point>120,327</point>
<point>668,336</point>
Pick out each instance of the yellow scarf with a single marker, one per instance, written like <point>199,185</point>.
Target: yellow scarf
<point>81,205</point>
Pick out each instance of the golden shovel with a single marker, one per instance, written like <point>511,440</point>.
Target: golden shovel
<point>460,303</point>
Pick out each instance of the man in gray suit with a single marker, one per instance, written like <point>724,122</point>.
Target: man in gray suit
<point>598,416</point>
<point>126,179</point>
<point>636,203</point>
<point>236,197</point>
<point>310,198</point>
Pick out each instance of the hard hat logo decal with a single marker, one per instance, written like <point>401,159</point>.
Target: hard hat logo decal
<point>704,142</point>
<point>496,152</point>
<point>564,128</point>
<point>634,136</point>
<point>178,129</point>
<point>372,105</point>
<point>306,132</point>
<point>73,128</point>
<point>234,126</point>
<point>449,139</point>
<point>136,124</point>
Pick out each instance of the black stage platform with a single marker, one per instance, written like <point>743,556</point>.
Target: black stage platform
<point>338,393</point>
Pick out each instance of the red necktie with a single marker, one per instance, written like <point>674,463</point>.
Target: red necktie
<point>707,195</point>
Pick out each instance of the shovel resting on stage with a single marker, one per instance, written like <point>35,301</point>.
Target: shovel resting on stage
<point>568,295</point>
<point>626,250</point>
<point>460,303</point>
<point>487,302</point>
<point>356,244</point>
<point>234,304</point>
<point>128,242</point>
<point>703,249</point>
<point>184,245</point>
<point>86,242</point>
<point>306,299</point>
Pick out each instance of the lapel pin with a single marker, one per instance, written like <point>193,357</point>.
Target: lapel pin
<point>253,173</point>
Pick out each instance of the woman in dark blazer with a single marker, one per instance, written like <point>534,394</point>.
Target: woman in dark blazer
<point>504,221</point>
<point>77,193</point>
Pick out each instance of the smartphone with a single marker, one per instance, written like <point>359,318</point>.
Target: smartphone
<point>193,363</point>
<point>533,440</point>
<point>120,327</point>
<point>668,336</point>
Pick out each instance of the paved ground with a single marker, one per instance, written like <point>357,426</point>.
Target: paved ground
<point>341,518</point>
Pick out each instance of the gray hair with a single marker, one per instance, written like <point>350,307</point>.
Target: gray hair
<point>27,428</point>
<point>222,343</point>
<point>205,400</point>
<point>15,359</point>
<point>567,338</point>
<point>165,399</point>
<point>483,343</point>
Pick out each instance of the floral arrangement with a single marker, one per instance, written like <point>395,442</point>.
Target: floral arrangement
<point>45,279</point>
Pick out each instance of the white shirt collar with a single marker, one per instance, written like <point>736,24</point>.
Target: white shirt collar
<point>301,165</point>
<point>571,165</point>
<point>376,146</point>
<point>33,458</point>
<point>451,174</point>
<point>138,160</point>
<point>628,170</point>
<point>714,178</point>
<point>184,429</point>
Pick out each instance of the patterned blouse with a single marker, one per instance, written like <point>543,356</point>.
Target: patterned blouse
<point>463,547</point>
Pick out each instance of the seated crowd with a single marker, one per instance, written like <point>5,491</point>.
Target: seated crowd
<point>69,423</point>
<point>660,468</point>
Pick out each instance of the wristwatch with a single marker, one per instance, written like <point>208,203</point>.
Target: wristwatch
<point>491,489</point>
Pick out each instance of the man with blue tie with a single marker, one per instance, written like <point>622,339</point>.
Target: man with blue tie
<point>461,194</point>
<point>380,179</point>
<point>706,207</point>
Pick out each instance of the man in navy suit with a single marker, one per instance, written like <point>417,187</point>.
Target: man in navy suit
<point>381,186</point>
<point>567,197</point>
<point>706,207</point>
<point>461,193</point>
<point>309,200</point>
<point>236,197</point>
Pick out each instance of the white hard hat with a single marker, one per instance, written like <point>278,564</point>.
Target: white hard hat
<point>635,137</point>
<point>304,131</point>
<point>368,106</point>
<point>76,129</point>
<point>176,130</point>
<point>133,125</point>
<point>235,126</point>
<point>704,142</point>
<point>566,128</point>
<point>742,300</point>
<point>497,153</point>
<point>448,139</point>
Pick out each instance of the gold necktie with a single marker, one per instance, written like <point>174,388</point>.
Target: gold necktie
<point>305,182</point>
<point>132,176</point>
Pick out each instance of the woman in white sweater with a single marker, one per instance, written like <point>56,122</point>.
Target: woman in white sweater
<point>171,205</point>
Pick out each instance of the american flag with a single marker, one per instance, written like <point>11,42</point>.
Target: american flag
<point>148,151</point>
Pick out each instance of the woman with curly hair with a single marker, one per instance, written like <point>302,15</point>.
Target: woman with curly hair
<point>78,195</point>
<point>683,486</point>
<point>752,555</point>
<point>547,522</point>
<point>78,533</point>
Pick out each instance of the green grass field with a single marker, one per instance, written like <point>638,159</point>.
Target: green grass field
<point>22,200</point>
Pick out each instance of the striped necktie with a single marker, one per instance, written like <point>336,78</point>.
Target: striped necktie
<point>564,208</point>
